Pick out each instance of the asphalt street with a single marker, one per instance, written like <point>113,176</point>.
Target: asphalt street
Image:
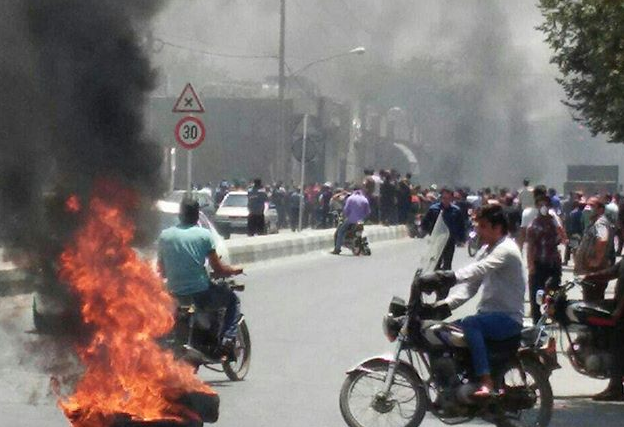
<point>311,318</point>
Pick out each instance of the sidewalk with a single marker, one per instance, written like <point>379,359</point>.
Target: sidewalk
<point>240,249</point>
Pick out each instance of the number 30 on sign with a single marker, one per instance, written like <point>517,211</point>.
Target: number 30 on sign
<point>190,132</point>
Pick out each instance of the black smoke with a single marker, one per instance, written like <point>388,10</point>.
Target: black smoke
<point>77,80</point>
<point>74,79</point>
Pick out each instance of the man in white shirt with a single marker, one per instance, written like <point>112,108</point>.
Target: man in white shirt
<point>500,271</point>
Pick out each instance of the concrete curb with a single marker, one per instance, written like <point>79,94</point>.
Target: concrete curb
<point>264,248</point>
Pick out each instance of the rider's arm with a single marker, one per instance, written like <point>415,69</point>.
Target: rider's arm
<point>472,275</point>
<point>221,269</point>
<point>460,294</point>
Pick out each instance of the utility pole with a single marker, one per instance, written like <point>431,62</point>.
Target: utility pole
<point>280,157</point>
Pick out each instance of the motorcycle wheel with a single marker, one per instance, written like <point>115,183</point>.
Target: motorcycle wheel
<point>237,370</point>
<point>361,405</point>
<point>537,380</point>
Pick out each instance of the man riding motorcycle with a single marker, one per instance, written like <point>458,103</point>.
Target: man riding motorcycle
<point>356,209</point>
<point>182,253</point>
<point>499,269</point>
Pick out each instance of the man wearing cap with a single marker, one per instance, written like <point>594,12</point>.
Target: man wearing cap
<point>593,251</point>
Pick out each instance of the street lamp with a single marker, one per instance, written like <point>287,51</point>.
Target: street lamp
<point>355,51</point>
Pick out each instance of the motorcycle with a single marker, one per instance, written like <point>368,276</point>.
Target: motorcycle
<point>430,369</point>
<point>197,334</point>
<point>354,238</point>
<point>586,326</point>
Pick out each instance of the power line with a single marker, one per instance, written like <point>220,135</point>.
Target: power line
<point>211,53</point>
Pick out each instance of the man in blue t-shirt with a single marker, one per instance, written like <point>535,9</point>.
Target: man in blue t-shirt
<point>182,253</point>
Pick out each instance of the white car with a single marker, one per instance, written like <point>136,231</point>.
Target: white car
<point>232,215</point>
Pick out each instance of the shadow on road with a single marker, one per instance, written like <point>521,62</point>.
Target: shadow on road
<point>582,411</point>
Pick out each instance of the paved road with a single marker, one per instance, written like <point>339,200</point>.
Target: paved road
<point>310,318</point>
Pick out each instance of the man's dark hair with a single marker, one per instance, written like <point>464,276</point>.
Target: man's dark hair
<point>189,211</point>
<point>543,198</point>
<point>494,215</point>
<point>446,190</point>
<point>257,182</point>
<point>526,182</point>
<point>539,190</point>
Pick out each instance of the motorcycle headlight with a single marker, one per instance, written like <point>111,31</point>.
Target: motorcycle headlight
<point>391,327</point>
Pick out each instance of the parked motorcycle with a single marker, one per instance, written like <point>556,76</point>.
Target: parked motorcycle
<point>197,334</point>
<point>430,369</point>
<point>354,238</point>
<point>586,326</point>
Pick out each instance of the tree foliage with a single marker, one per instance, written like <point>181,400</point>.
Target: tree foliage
<point>587,37</point>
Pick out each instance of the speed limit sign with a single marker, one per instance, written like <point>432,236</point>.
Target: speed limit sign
<point>190,132</point>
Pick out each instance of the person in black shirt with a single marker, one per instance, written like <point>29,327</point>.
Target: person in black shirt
<point>454,221</point>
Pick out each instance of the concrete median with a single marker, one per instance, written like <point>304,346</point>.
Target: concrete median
<point>244,250</point>
<point>263,248</point>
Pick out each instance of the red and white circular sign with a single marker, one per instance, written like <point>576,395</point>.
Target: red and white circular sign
<point>190,132</point>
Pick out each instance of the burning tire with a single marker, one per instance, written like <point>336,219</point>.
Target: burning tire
<point>237,370</point>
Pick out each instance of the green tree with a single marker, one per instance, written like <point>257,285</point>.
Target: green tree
<point>587,37</point>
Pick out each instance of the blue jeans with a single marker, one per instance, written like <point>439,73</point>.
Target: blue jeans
<point>340,235</point>
<point>218,296</point>
<point>482,326</point>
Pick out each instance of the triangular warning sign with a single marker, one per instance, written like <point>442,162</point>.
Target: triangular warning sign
<point>188,102</point>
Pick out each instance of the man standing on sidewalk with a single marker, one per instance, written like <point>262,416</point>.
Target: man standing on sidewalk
<point>543,258</point>
<point>256,199</point>
<point>356,209</point>
<point>454,221</point>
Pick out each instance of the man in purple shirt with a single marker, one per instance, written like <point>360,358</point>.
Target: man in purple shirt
<point>356,209</point>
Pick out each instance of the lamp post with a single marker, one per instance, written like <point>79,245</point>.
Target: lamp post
<point>355,51</point>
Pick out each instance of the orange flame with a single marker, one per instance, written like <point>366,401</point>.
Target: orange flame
<point>126,307</point>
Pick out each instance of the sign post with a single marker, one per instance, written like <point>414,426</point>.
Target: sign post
<point>303,162</point>
<point>190,131</point>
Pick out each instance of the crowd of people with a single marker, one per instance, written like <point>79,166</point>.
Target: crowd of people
<point>535,220</point>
